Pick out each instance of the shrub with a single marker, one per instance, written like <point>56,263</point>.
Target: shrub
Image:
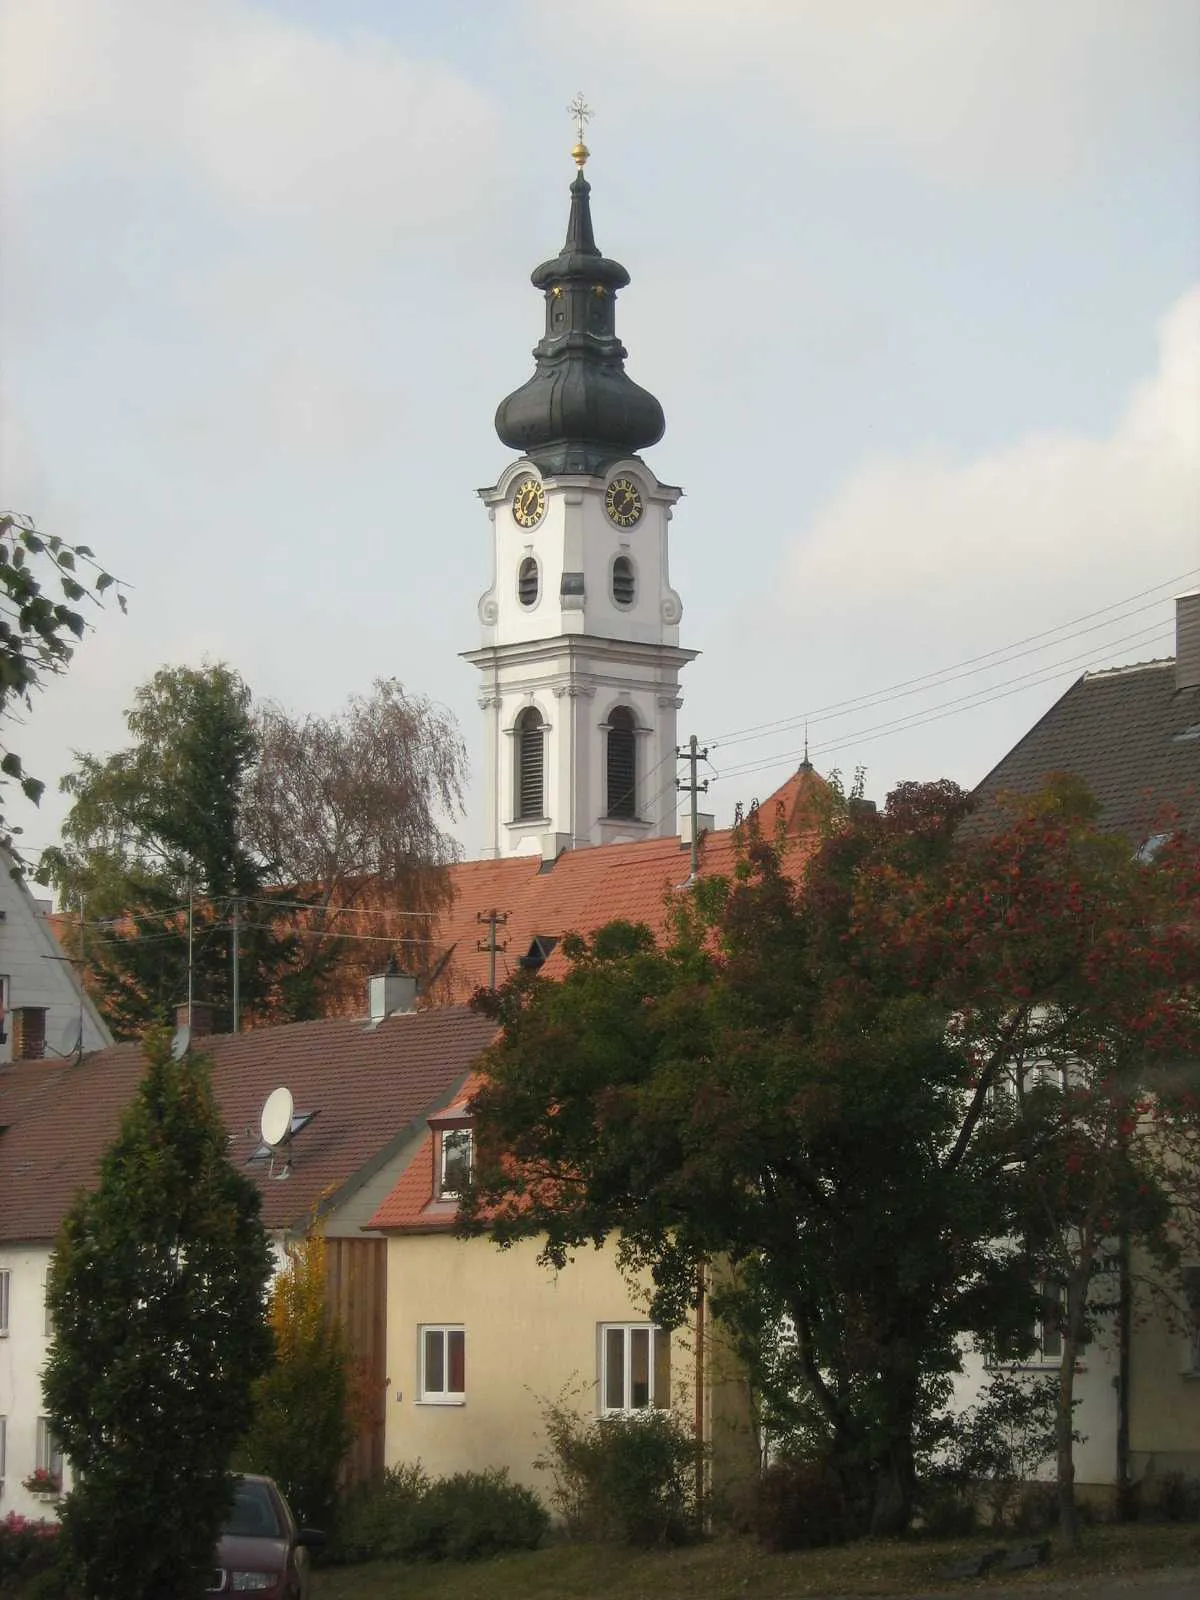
<point>800,1505</point>
<point>629,1480</point>
<point>473,1515</point>
<point>26,1549</point>
<point>1178,1497</point>
<point>375,1516</point>
<point>1037,1509</point>
<point>407,1516</point>
<point>983,1456</point>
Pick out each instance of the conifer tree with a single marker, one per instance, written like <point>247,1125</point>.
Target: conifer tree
<point>156,1294</point>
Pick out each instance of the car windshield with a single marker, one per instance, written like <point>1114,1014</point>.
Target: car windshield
<point>253,1513</point>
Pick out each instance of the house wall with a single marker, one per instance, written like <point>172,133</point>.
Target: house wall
<point>1164,1391</point>
<point>532,1336</point>
<point>22,1356</point>
<point>34,972</point>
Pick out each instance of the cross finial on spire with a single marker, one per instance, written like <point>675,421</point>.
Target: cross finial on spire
<point>583,114</point>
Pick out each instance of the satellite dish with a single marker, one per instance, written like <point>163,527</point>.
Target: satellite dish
<point>179,1043</point>
<point>275,1122</point>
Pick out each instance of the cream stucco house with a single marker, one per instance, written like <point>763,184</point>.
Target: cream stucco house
<point>480,1340</point>
<point>362,1089</point>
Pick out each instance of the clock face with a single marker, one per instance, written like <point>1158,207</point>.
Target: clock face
<point>529,503</point>
<point>623,502</point>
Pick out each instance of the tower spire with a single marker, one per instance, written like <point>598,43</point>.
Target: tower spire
<point>580,410</point>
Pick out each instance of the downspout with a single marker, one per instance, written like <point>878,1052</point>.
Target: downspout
<point>1125,1509</point>
<point>700,1375</point>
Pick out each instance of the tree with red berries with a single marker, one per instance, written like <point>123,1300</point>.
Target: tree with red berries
<point>805,1081</point>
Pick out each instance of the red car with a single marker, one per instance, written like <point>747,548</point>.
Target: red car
<point>262,1551</point>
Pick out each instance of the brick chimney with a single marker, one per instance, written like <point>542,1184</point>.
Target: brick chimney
<point>28,1033</point>
<point>1187,641</point>
<point>202,1018</point>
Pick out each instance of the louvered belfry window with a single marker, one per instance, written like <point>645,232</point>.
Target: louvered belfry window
<point>531,746</point>
<point>527,582</point>
<point>622,581</point>
<point>622,763</point>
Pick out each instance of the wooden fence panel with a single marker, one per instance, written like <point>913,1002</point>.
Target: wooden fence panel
<point>356,1291</point>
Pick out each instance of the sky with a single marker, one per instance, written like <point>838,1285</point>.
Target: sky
<point>917,284</point>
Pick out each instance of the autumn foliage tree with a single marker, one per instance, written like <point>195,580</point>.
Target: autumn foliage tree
<point>801,1081</point>
<point>303,1405</point>
<point>271,832</point>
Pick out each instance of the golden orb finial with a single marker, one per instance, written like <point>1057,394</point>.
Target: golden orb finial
<point>582,114</point>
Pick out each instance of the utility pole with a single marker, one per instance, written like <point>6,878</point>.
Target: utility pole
<point>191,931</point>
<point>492,919</point>
<point>235,955</point>
<point>693,787</point>
<point>82,962</point>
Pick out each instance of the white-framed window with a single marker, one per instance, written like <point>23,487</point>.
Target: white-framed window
<point>1047,1330</point>
<point>443,1363</point>
<point>635,1367</point>
<point>49,1451</point>
<point>5,1297</point>
<point>454,1163</point>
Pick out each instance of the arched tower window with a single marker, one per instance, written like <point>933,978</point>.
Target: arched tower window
<point>531,762</point>
<point>623,584</point>
<point>622,763</point>
<point>527,582</point>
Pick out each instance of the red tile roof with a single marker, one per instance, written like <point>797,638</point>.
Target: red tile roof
<point>586,888</point>
<point>371,1090</point>
<point>582,891</point>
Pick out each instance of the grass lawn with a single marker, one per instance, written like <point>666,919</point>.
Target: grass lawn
<point>738,1570</point>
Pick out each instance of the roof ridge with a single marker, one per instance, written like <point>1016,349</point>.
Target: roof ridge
<point>1129,666</point>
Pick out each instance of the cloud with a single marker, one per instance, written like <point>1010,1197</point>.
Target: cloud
<point>347,140</point>
<point>943,556</point>
<point>961,91</point>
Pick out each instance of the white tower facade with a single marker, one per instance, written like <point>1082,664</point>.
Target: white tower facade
<point>579,655</point>
<point>580,662</point>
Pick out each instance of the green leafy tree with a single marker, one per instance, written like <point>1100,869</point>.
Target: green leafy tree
<point>43,581</point>
<point>156,828</point>
<point>303,1406</point>
<point>800,1082</point>
<point>156,1293</point>
<point>273,827</point>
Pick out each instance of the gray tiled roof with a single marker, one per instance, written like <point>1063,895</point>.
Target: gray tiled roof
<point>371,1089</point>
<point>1129,734</point>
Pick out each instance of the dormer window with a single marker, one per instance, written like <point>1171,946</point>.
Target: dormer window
<point>455,1159</point>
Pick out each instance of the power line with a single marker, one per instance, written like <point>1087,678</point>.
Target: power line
<point>967,668</point>
<point>952,708</point>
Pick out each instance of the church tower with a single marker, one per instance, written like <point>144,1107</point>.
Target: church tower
<point>580,653</point>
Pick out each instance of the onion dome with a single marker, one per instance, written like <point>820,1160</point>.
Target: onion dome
<point>580,411</point>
